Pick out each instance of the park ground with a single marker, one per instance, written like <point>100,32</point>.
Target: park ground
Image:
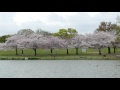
<point>60,54</point>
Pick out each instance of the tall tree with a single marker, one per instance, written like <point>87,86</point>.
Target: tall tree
<point>106,27</point>
<point>3,38</point>
<point>2,46</point>
<point>78,42</point>
<point>54,42</point>
<point>67,44</point>
<point>100,40</point>
<point>43,32</point>
<point>118,19</point>
<point>25,32</point>
<point>13,42</point>
<point>66,33</point>
<point>118,29</point>
<point>35,41</point>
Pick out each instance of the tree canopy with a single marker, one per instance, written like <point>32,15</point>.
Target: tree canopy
<point>3,38</point>
<point>25,32</point>
<point>66,33</point>
<point>43,32</point>
<point>106,27</point>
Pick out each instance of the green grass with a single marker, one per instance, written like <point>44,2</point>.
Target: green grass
<point>91,54</point>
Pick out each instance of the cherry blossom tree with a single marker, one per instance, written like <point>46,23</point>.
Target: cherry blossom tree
<point>25,32</point>
<point>23,44</point>
<point>100,40</point>
<point>43,32</point>
<point>28,39</point>
<point>67,44</point>
<point>106,27</point>
<point>78,41</point>
<point>113,43</point>
<point>54,42</point>
<point>33,41</point>
<point>13,42</point>
<point>2,46</point>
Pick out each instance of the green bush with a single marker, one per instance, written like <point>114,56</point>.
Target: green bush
<point>3,58</point>
<point>33,58</point>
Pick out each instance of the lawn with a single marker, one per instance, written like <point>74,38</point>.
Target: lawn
<point>91,54</point>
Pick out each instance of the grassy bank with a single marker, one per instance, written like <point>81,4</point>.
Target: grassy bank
<point>59,58</point>
<point>91,54</point>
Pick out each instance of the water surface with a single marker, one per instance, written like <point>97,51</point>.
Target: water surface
<point>59,69</point>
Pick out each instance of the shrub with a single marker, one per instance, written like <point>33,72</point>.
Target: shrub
<point>33,58</point>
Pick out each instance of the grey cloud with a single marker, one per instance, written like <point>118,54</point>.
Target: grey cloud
<point>39,25</point>
<point>82,22</point>
<point>55,17</point>
<point>7,26</point>
<point>6,16</point>
<point>86,24</point>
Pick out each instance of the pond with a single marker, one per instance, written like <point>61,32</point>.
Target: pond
<point>59,69</point>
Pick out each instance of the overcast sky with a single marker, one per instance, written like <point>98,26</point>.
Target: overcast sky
<point>83,22</point>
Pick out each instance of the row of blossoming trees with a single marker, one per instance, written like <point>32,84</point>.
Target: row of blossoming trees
<point>27,39</point>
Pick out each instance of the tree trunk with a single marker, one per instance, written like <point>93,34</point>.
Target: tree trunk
<point>109,50</point>
<point>99,51</point>
<point>35,52</point>
<point>76,50</point>
<point>67,51</point>
<point>51,50</point>
<point>16,51</point>
<point>22,52</point>
<point>114,49</point>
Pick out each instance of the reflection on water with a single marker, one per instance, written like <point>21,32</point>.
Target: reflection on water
<point>60,69</point>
